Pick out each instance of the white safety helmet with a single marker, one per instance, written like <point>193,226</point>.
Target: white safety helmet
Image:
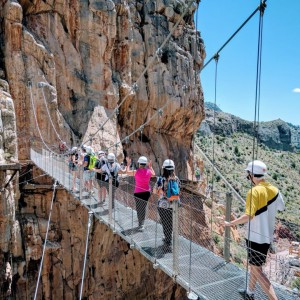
<point>74,149</point>
<point>101,152</point>
<point>111,157</point>
<point>256,167</point>
<point>168,164</point>
<point>142,160</point>
<point>88,149</point>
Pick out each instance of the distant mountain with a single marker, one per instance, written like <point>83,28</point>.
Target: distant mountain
<point>276,134</point>
<point>212,106</point>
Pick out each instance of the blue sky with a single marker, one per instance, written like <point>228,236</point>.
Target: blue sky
<point>280,77</point>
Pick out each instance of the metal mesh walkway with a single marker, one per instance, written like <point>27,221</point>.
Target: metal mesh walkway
<point>191,261</point>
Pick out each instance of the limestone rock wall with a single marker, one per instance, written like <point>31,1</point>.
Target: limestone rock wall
<point>75,61</point>
<point>10,237</point>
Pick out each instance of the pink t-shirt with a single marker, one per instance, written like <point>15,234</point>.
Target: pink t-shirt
<point>142,179</point>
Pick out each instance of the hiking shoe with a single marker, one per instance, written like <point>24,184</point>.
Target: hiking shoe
<point>167,248</point>
<point>141,228</point>
<point>246,295</point>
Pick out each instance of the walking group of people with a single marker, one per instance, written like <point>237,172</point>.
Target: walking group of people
<point>101,167</point>
<point>262,202</point>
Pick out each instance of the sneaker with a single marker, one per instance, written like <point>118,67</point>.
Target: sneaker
<point>167,248</point>
<point>246,295</point>
<point>141,228</point>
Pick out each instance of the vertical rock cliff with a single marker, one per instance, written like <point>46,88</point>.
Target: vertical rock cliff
<point>64,67</point>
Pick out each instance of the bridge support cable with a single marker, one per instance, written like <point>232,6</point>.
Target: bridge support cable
<point>86,252</point>
<point>256,120</point>
<point>35,117</point>
<point>258,85</point>
<point>41,85</point>
<point>259,8</point>
<point>236,194</point>
<point>45,241</point>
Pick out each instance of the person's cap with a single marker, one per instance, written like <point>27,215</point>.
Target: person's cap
<point>256,167</point>
<point>101,152</point>
<point>111,157</point>
<point>142,160</point>
<point>88,149</point>
<point>168,164</point>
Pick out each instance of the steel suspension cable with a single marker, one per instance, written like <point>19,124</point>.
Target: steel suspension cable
<point>46,238</point>
<point>213,144</point>
<point>262,4</point>
<point>85,252</point>
<point>258,76</point>
<point>256,114</point>
<point>41,85</point>
<point>36,121</point>
<point>152,60</point>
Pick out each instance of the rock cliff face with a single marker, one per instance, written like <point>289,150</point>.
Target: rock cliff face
<point>89,57</point>
<point>64,68</point>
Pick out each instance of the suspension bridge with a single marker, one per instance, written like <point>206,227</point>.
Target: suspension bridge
<point>193,261</point>
<point>191,264</point>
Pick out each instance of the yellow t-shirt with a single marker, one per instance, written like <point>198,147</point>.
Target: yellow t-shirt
<point>262,203</point>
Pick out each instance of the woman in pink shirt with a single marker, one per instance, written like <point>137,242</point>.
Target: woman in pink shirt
<point>142,186</point>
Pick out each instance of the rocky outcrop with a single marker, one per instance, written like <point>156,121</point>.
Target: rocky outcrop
<point>275,134</point>
<point>10,238</point>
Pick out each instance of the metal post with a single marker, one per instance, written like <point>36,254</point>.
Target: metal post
<point>110,200</point>
<point>43,161</point>
<point>227,229</point>
<point>80,182</point>
<point>52,163</point>
<point>86,251</point>
<point>175,238</point>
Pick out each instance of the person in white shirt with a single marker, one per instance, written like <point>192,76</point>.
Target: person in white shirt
<point>262,202</point>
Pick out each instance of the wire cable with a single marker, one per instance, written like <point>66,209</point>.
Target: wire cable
<point>36,121</point>
<point>42,85</point>
<point>263,4</point>
<point>46,238</point>
<point>85,252</point>
<point>256,110</point>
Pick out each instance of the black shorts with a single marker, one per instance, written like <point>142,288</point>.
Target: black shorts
<point>257,253</point>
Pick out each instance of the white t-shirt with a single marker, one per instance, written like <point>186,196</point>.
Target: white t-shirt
<point>111,169</point>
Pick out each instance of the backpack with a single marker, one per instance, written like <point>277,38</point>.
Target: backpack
<point>92,161</point>
<point>173,190</point>
<point>100,162</point>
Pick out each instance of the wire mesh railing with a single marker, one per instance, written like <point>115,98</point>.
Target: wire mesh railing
<point>186,241</point>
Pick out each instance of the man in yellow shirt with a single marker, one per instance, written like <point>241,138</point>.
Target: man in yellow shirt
<point>262,202</point>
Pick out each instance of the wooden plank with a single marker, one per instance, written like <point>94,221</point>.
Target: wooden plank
<point>15,166</point>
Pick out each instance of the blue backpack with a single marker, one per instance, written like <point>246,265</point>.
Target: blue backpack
<point>173,190</point>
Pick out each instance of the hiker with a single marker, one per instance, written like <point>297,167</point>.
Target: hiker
<point>73,167</point>
<point>142,187</point>
<point>100,176</point>
<point>112,169</point>
<point>166,198</point>
<point>88,165</point>
<point>62,147</point>
<point>262,202</point>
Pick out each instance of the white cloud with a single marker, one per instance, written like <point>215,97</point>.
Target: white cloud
<point>296,90</point>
